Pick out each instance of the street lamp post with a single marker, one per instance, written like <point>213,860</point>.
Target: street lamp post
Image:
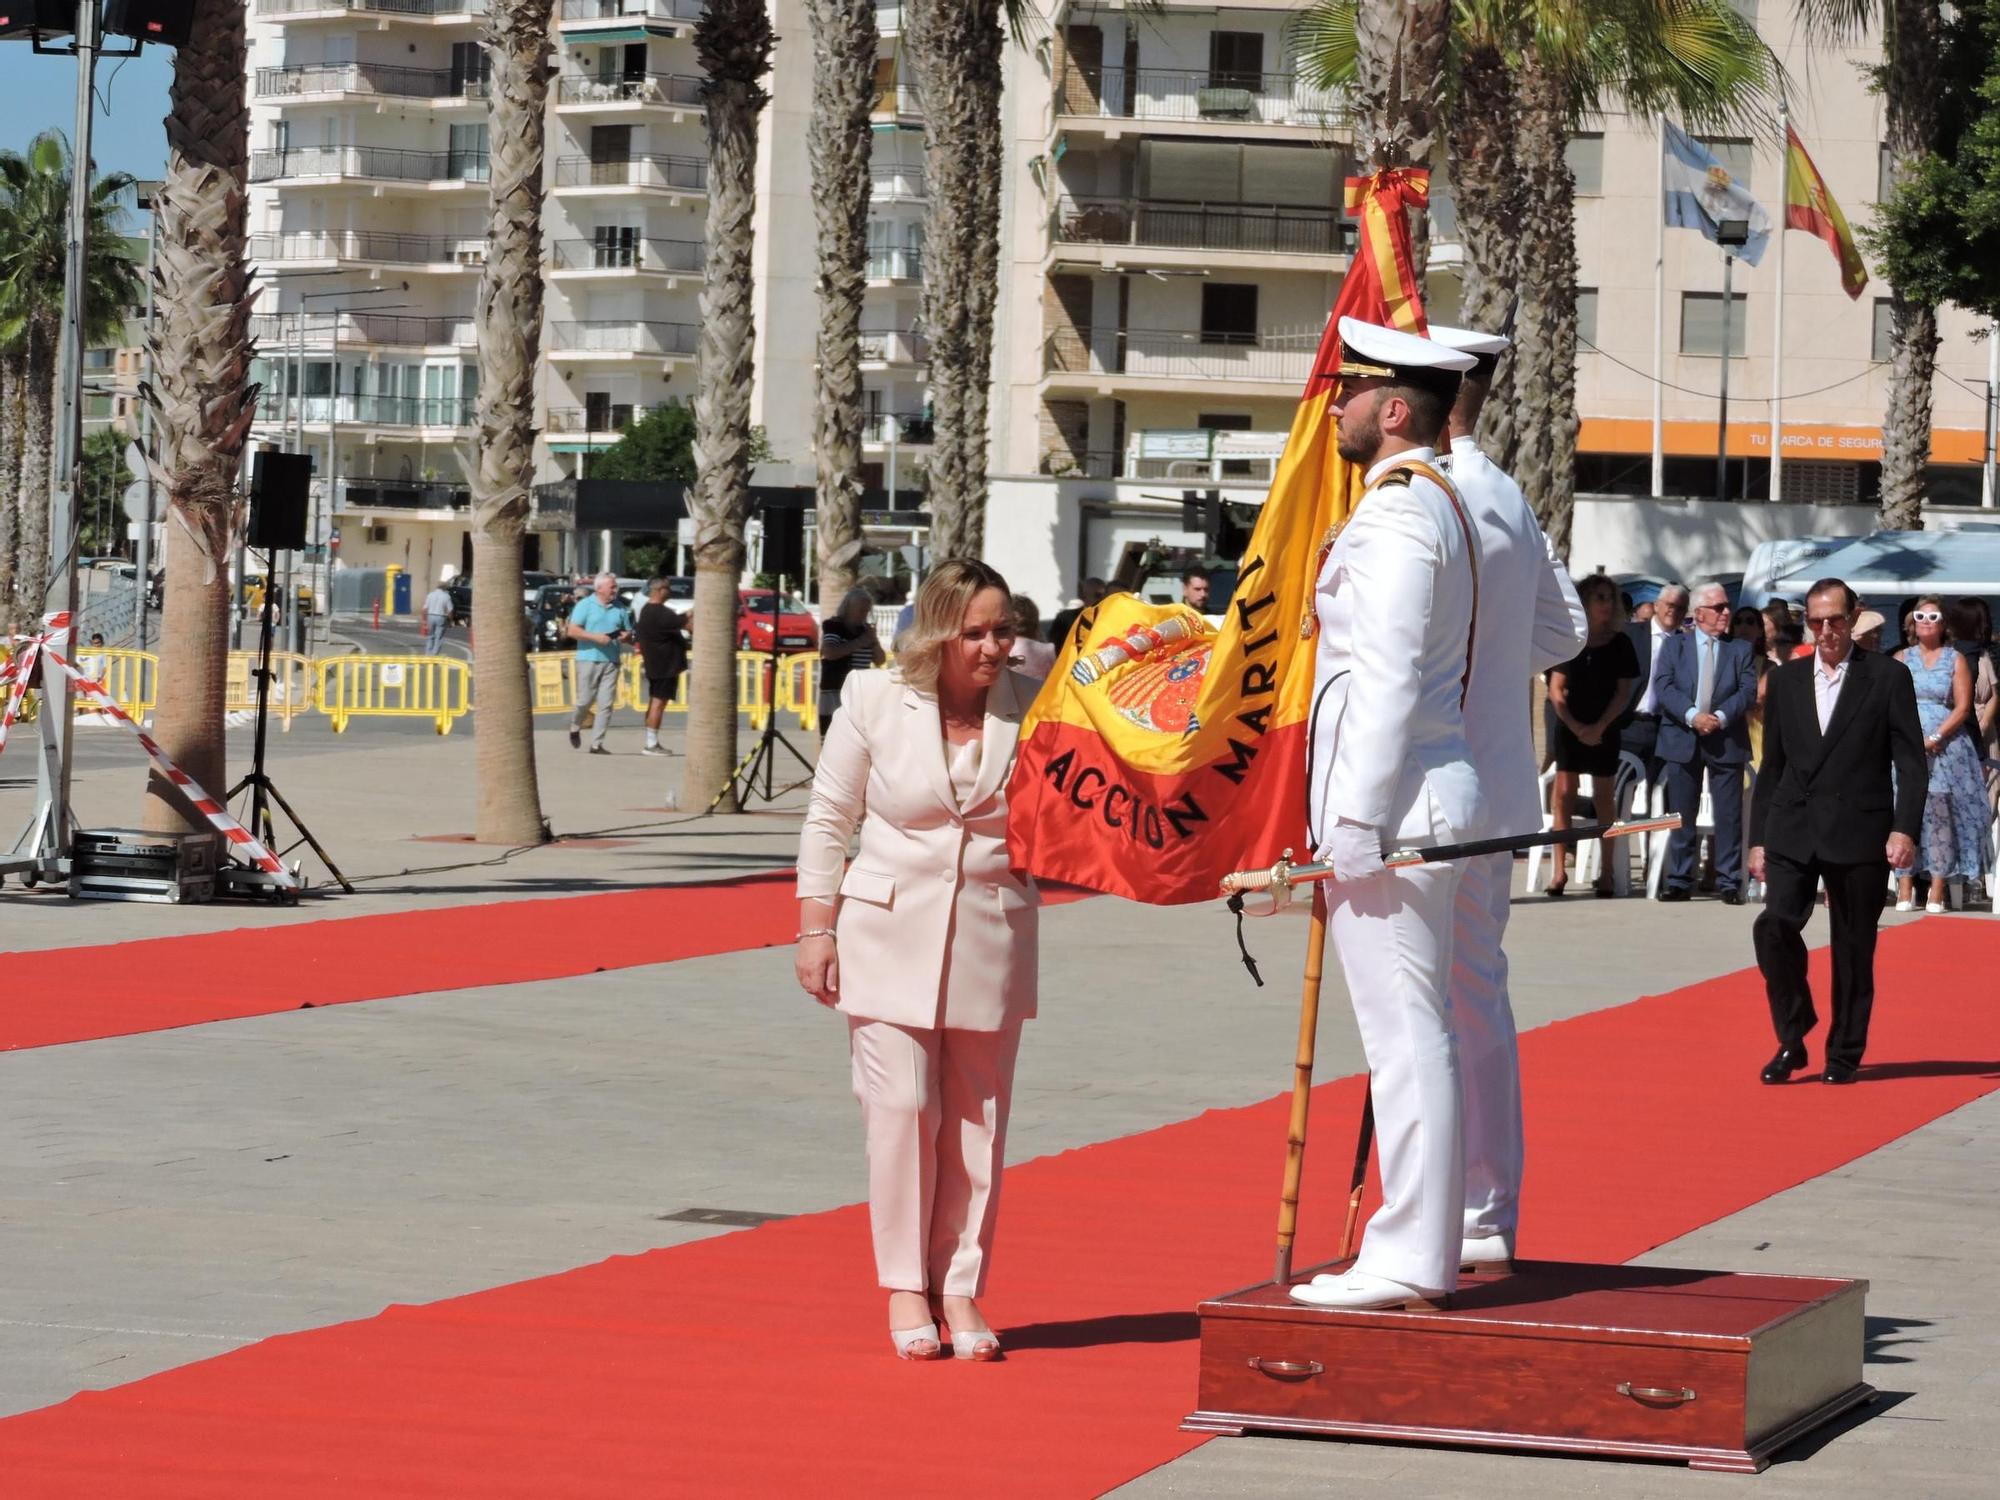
<point>1731,235</point>
<point>147,199</point>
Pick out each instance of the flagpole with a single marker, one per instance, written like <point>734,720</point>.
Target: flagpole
<point>1660,314</point>
<point>1778,319</point>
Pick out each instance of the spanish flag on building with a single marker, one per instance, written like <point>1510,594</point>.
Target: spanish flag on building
<point>1809,206</point>
<point>1161,753</point>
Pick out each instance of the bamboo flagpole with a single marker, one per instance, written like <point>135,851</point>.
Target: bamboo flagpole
<point>1302,1079</point>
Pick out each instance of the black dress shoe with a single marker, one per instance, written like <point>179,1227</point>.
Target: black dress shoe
<point>1781,1068</point>
<point>1732,898</point>
<point>1838,1073</point>
<point>1675,893</point>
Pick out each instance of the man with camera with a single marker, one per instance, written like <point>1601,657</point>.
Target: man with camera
<point>601,628</point>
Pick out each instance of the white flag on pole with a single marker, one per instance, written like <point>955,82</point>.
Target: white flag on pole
<point>1700,193</point>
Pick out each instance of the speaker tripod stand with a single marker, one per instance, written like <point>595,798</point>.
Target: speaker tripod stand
<point>765,753</point>
<point>239,880</point>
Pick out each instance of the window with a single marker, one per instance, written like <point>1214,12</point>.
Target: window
<point>471,70</point>
<point>1701,323</point>
<point>1586,316</point>
<point>1228,314</point>
<point>468,153</point>
<point>1236,60</point>
<point>1885,173</point>
<point>1882,347</point>
<point>1733,151</point>
<point>98,359</point>
<point>1585,155</point>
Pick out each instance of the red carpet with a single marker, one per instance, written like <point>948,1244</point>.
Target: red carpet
<point>81,994</point>
<point>755,1363</point>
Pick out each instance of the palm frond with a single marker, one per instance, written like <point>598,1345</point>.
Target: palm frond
<point>1321,42</point>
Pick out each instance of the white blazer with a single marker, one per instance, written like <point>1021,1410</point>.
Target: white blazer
<point>933,928</point>
<point>1530,619</point>
<point>1387,739</point>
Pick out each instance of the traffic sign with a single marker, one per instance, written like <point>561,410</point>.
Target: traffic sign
<point>135,500</point>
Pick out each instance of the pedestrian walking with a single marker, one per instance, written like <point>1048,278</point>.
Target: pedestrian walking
<point>437,615</point>
<point>601,628</point>
<point>847,642</point>
<point>663,652</point>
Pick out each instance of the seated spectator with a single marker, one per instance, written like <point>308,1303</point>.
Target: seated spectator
<point>1033,656</point>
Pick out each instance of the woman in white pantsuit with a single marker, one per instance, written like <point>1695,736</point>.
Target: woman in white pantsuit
<point>927,943</point>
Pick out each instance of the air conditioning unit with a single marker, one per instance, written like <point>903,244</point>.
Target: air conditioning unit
<point>378,534</point>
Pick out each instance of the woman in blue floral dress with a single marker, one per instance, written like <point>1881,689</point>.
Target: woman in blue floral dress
<point>1956,836</point>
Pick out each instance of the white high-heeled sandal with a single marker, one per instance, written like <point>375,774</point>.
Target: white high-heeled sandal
<point>906,1338</point>
<point>981,1344</point>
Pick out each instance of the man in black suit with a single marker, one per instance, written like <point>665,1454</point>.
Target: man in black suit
<point>1639,728</point>
<point>1835,723</point>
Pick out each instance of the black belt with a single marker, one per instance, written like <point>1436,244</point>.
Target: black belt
<point>1646,718</point>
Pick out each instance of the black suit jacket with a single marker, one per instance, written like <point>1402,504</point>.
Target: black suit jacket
<point>1828,796</point>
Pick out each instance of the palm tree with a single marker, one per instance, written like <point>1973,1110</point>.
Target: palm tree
<point>11,424</point>
<point>733,40</point>
<point>34,239</point>
<point>1910,79</point>
<point>844,42</point>
<point>201,395</point>
<point>508,315</point>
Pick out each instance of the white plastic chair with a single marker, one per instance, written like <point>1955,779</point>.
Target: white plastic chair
<point>1704,829</point>
<point>1539,856</point>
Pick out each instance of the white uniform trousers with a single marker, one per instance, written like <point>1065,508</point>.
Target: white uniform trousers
<point>1393,934</point>
<point>1489,1063</point>
<point>934,1110</point>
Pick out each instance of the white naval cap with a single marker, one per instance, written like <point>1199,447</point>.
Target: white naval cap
<point>1371,349</point>
<point>1470,340</point>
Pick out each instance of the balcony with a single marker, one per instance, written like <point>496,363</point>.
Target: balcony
<point>893,184</point>
<point>897,99</point>
<point>276,332</point>
<point>676,91</point>
<point>1247,229</point>
<point>581,13</point>
<point>350,409</point>
<point>1205,454</point>
<point>400,498</point>
<point>889,17</point>
<point>912,430</point>
<point>607,422</point>
<point>369,79</point>
<point>373,247</point>
<point>423,12</point>
<point>1106,358</point>
<point>371,164</point>
<point>1196,96</point>
<point>1094,463</point>
<point>586,259</point>
<point>895,266</point>
<point>617,340</point>
<point>659,174</point>
<point>894,346</point>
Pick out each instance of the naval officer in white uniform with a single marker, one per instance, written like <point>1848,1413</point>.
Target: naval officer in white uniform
<point>1390,767</point>
<point>1529,620</point>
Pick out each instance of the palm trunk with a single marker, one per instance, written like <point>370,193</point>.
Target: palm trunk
<point>956,47</point>
<point>1914,36</point>
<point>31,565</point>
<point>11,390</point>
<point>1545,334</point>
<point>1490,192</point>
<point>844,42</point>
<point>200,393</point>
<point>733,41</point>
<point>508,317</point>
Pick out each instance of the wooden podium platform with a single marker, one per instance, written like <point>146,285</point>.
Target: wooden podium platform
<point>1712,1368</point>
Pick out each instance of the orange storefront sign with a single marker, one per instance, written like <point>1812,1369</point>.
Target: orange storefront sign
<point>1949,445</point>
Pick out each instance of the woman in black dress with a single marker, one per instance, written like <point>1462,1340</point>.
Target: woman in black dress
<point>1588,693</point>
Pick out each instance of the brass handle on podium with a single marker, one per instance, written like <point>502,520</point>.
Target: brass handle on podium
<point>1655,1393</point>
<point>1286,1368</point>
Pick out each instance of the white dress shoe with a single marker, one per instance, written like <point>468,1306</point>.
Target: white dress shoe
<point>1492,1254</point>
<point>1357,1289</point>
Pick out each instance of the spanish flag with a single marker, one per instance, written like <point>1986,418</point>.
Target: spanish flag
<point>1162,753</point>
<point>1809,206</point>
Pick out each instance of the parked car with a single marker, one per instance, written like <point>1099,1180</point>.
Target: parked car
<point>547,615</point>
<point>796,629</point>
<point>460,589</point>
<point>532,585</point>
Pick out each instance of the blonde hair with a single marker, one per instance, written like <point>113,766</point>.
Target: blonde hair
<point>947,593</point>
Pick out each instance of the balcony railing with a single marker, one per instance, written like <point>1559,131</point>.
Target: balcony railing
<point>615,417</point>
<point>1273,228</point>
<point>370,244</point>
<point>672,257</point>
<point>1206,454</point>
<point>367,410</point>
<point>675,89</point>
<point>898,99</point>
<point>891,184</point>
<point>275,332</point>
<point>368,78</point>
<point>1195,94</point>
<point>623,336</point>
<point>913,429</point>
<point>1192,355</point>
<point>671,174</point>
<point>895,263</point>
<point>352,495</point>
<point>894,346</point>
<point>423,8</point>
<point>383,163</point>
<point>632,10</point>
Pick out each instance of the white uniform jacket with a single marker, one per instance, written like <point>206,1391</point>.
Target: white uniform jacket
<point>1394,604</point>
<point>1529,620</point>
<point>933,929</point>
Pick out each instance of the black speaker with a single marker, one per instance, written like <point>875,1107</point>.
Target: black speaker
<point>167,22</point>
<point>280,484</point>
<point>49,17</point>
<point>785,544</point>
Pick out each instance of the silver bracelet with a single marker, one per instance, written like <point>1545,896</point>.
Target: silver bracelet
<point>815,932</point>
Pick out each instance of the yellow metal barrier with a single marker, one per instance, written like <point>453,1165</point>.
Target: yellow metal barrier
<point>552,681</point>
<point>552,686</point>
<point>132,678</point>
<point>437,688</point>
<point>291,685</point>
<point>798,689</point>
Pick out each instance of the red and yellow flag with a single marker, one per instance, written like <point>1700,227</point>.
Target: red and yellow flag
<point>1809,206</point>
<point>1161,753</point>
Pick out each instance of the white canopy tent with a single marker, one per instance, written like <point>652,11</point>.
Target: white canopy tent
<point>1889,566</point>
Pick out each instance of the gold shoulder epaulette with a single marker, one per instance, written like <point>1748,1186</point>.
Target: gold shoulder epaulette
<point>1398,477</point>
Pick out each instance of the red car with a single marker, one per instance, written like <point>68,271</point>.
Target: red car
<point>796,629</point>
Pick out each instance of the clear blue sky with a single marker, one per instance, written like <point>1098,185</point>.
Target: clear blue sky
<point>40,92</point>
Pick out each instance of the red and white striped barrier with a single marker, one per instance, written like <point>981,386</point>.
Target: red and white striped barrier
<point>18,673</point>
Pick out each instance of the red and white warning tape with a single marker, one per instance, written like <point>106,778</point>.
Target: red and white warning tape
<point>15,676</point>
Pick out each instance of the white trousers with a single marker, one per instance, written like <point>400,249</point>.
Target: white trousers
<point>934,1111</point>
<point>1489,1063</point>
<point>1393,934</point>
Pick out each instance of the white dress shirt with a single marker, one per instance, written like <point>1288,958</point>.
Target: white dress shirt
<point>1827,685</point>
<point>1649,703</point>
<point>1708,655</point>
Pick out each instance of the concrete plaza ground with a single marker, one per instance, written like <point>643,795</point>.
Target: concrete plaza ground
<point>169,1196</point>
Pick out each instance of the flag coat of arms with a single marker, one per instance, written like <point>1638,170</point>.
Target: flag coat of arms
<point>1163,753</point>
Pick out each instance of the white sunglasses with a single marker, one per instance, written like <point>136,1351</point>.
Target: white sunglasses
<point>1925,616</point>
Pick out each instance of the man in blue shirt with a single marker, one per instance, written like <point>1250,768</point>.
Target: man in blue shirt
<point>601,627</point>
